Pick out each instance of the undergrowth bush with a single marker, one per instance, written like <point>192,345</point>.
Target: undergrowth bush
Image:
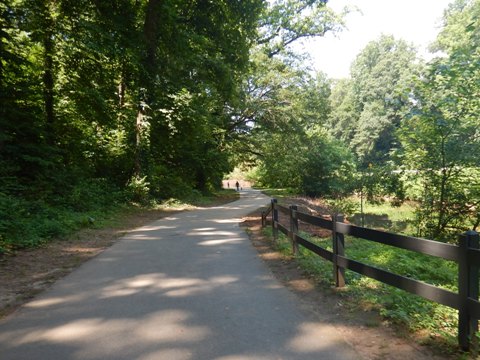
<point>31,222</point>
<point>94,193</point>
<point>15,229</point>
<point>138,189</point>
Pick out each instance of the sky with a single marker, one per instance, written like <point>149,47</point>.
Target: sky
<point>416,21</point>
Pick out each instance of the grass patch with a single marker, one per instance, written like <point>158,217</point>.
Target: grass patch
<point>404,212</point>
<point>384,216</point>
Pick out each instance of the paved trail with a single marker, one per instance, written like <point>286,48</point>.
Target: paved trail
<point>188,286</point>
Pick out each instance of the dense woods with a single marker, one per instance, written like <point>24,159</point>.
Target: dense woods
<point>109,102</point>
<point>113,90</point>
<point>104,103</point>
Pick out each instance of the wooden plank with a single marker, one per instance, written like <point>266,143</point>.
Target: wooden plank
<point>473,308</point>
<point>274,219</point>
<point>293,229</point>
<point>282,228</point>
<point>473,256</point>
<point>416,287</point>
<point>467,289</point>
<point>327,255</point>
<point>269,210</point>
<point>283,209</point>
<point>428,247</point>
<point>315,220</point>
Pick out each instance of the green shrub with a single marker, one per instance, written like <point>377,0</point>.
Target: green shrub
<point>15,228</point>
<point>138,189</point>
<point>166,184</point>
<point>31,222</point>
<point>93,194</point>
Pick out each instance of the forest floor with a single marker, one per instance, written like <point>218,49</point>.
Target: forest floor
<point>29,272</point>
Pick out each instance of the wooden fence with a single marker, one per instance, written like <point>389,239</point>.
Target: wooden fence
<point>466,255</point>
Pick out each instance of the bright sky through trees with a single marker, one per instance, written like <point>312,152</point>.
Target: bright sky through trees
<point>415,21</point>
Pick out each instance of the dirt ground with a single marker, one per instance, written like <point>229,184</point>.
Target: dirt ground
<point>29,272</point>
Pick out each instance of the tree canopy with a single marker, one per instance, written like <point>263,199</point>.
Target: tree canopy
<point>371,104</point>
<point>154,99</point>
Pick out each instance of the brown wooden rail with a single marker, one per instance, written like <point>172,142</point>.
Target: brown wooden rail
<point>466,255</point>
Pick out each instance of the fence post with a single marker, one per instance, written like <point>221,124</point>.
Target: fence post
<point>338,249</point>
<point>293,228</point>
<point>264,219</point>
<point>274,219</point>
<point>467,287</point>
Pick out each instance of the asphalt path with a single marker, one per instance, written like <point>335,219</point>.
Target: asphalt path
<point>189,286</point>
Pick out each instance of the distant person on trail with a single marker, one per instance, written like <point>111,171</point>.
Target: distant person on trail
<point>237,185</point>
<point>228,185</point>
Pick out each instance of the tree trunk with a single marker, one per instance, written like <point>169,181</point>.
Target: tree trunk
<point>361,207</point>
<point>3,26</point>
<point>48,71</point>
<point>138,142</point>
<point>443,189</point>
<point>121,91</point>
<point>150,34</point>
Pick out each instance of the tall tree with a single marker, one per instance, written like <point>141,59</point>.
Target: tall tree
<point>370,106</point>
<point>460,27</point>
<point>441,139</point>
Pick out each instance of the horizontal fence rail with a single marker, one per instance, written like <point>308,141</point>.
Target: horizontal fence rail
<point>282,229</point>
<point>423,246</point>
<point>466,255</point>
<point>327,255</point>
<point>315,220</point>
<point>283,209</point>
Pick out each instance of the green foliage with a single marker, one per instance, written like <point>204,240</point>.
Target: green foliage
<point>414,128</point>
<point>460,26</point>
<point>136,93</point>
<point>138,189</point>
<point>327,169</point>
<point>278,193</point>
<point>313,164</point>
<point>440,145</point>
<point>283,103</point>
<point>342,205</point>
<point>285,22</point>
<point>285,135</point>
<point>27,223</point>
<point>368,108</point>
<point>385,215</point>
